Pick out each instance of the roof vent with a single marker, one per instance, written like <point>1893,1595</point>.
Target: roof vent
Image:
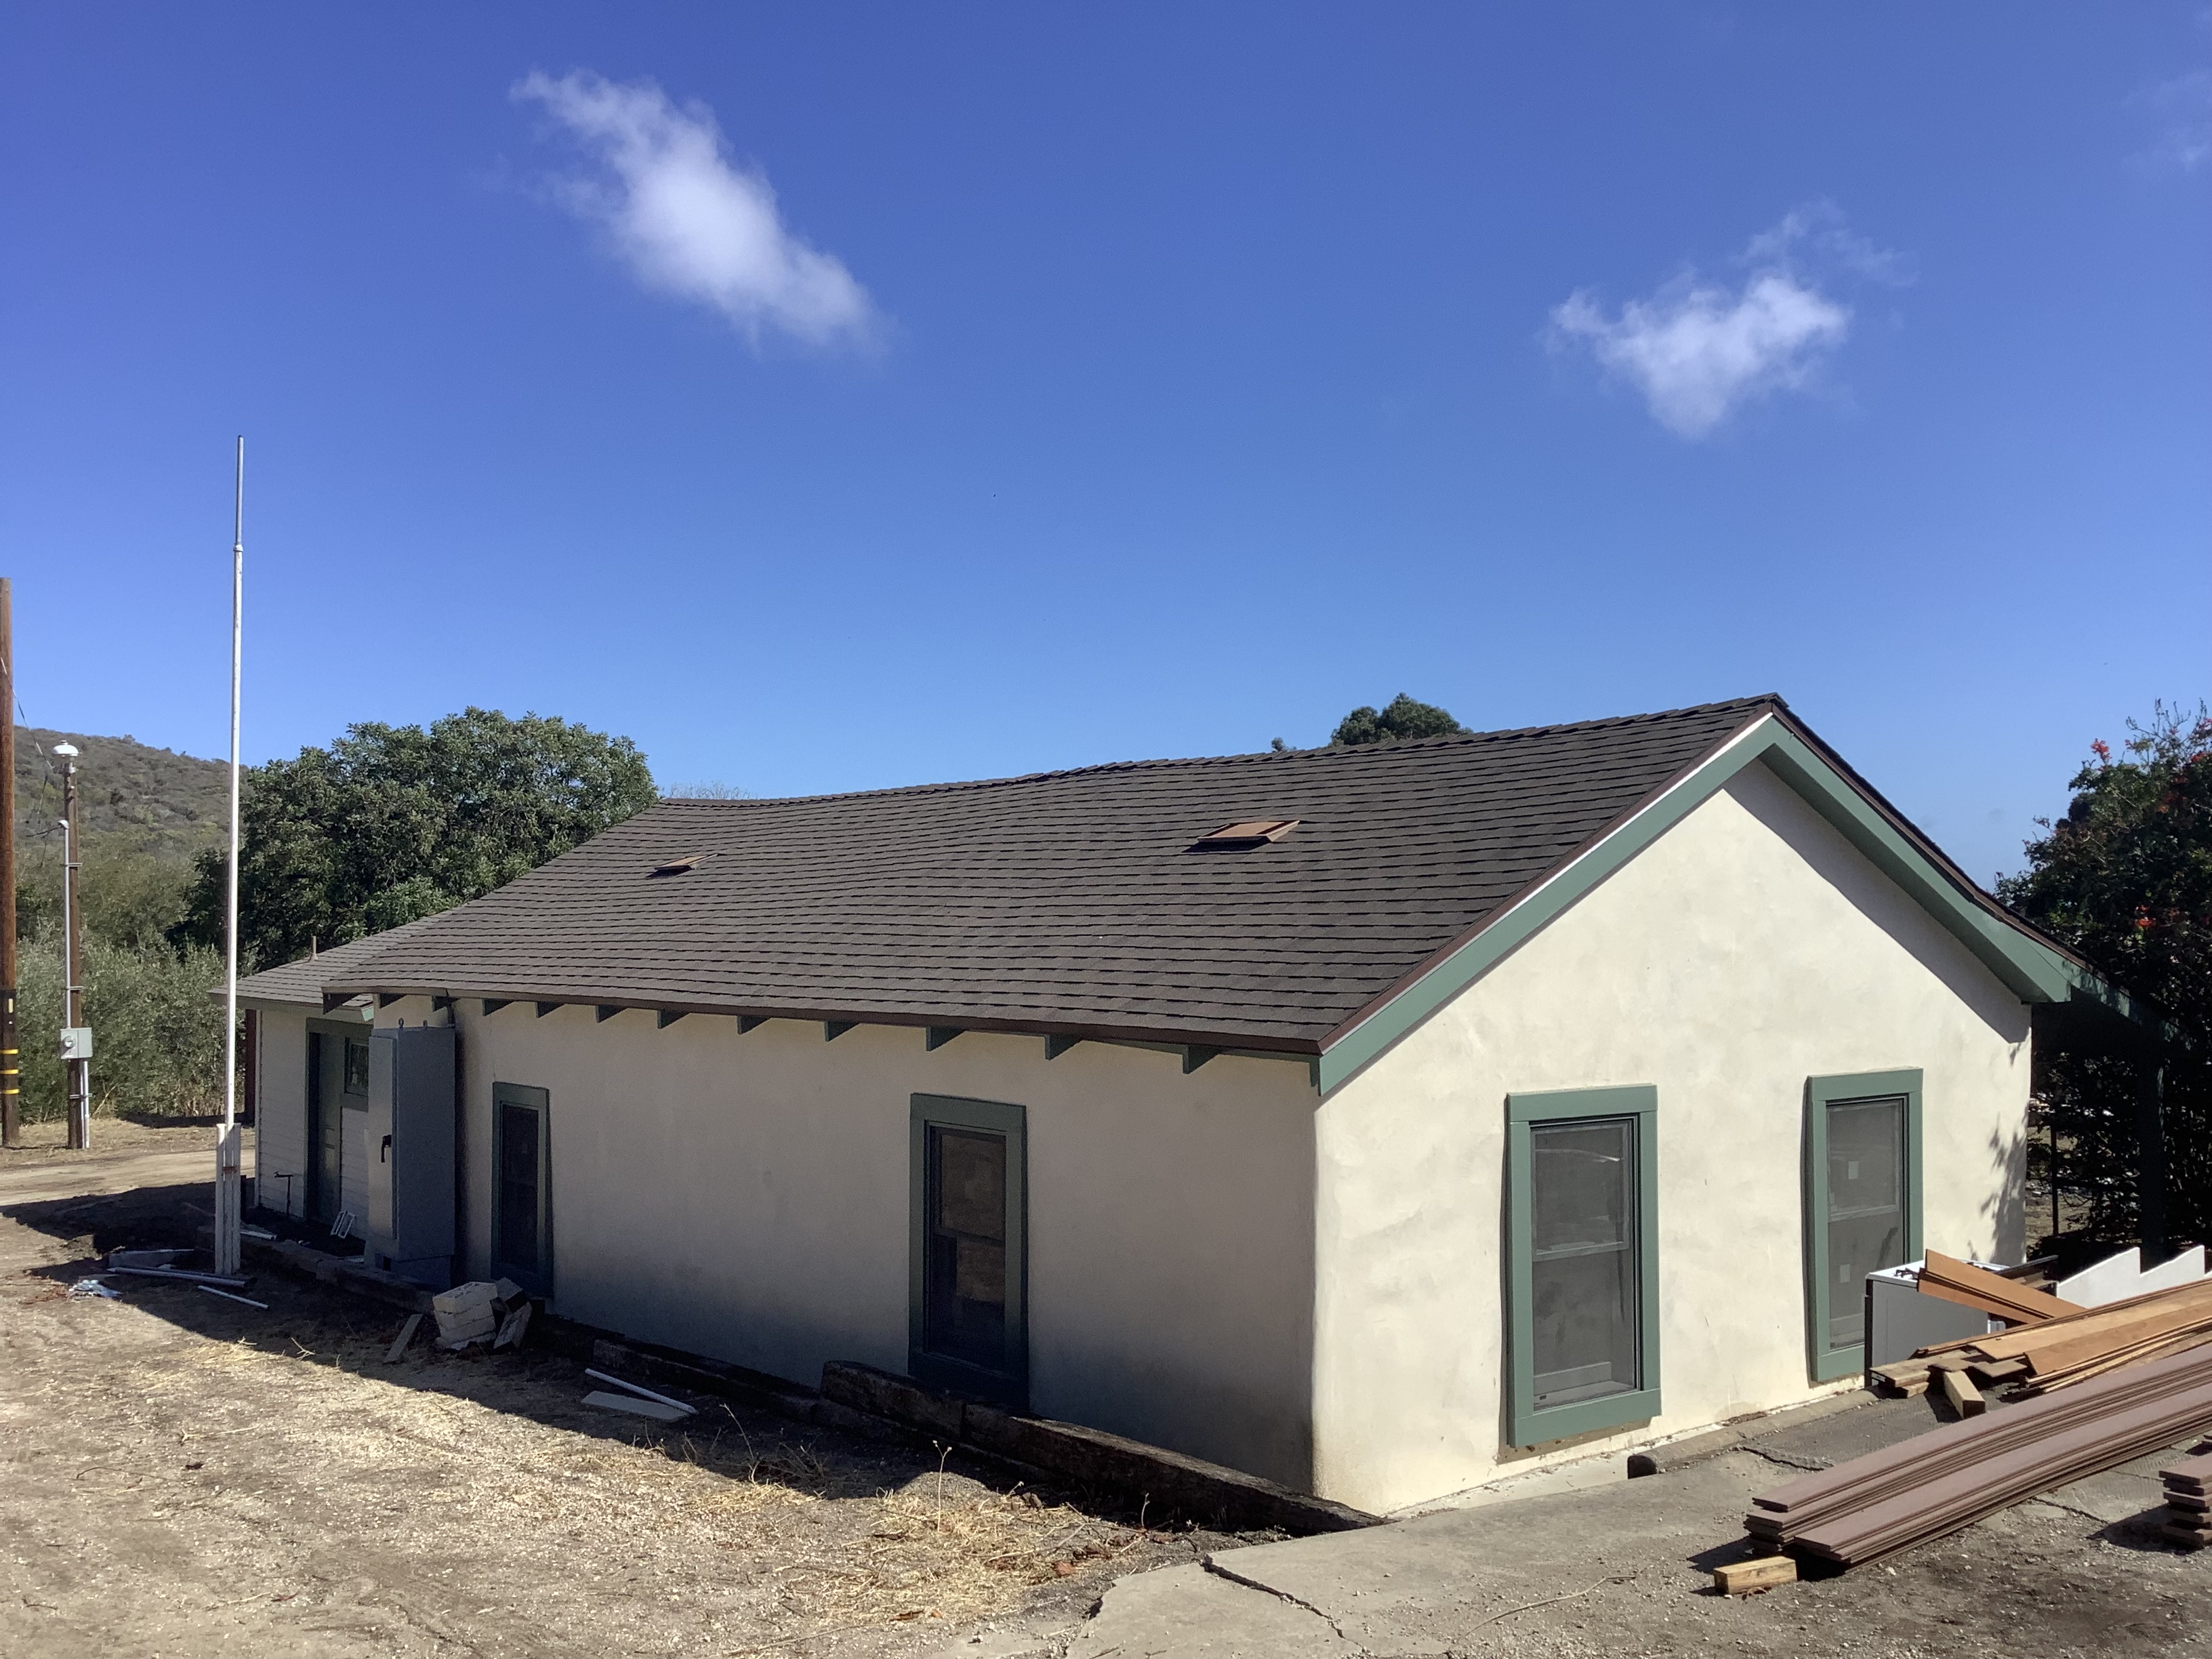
<point>1249,832</point>
<point>677,866</point>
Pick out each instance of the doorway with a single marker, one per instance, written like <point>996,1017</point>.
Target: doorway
<point>337,1081</point>
<point>522,1218</point>
<point>968,1278</point>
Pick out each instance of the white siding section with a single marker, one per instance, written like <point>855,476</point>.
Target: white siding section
<point>747,1197</point>
<point>280,1106</point>
<point>1748,949</point>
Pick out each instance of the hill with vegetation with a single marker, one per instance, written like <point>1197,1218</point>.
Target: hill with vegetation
<point>131,795</point>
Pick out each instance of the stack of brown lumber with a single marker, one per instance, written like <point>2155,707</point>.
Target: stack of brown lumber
<point>2008,1299</point>
<point>1953,1475</point>
<point>2072,1348</point>
<point>2188,1508</point>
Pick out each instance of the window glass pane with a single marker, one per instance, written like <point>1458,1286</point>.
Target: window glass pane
<point>1866,1207</point>
<point>965,1312</point>
<point>356,1065</point>
<point>1585,1269</point>
<point>517,1187</point>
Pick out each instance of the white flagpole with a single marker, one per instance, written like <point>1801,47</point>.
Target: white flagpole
<point>228,1161</point>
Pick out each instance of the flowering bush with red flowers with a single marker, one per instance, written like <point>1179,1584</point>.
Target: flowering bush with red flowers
<point>2125,878</point>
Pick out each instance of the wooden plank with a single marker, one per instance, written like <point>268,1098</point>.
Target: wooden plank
<point>1749,1578</point>
<point>2065,1349</point>
<point>1990,1372</point>
<point>399,1342</point>
<point>1965,1399</point>
<point>1961,1281</point>
<point>2010,1345</point>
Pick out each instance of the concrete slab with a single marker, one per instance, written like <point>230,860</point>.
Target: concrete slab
<point>1190,1614</point>
<point>1625,1569</point>
<point>2114,1497</point>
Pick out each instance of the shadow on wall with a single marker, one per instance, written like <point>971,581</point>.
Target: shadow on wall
<point>2007,1208</point>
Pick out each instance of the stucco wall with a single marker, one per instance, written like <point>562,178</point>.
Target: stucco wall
<point>1746,950</point>
<point>747,1197</point>
<point>280,1110</point>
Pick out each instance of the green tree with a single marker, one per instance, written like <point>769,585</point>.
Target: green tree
<point>1403,718</point>
<point>2125,878</point>
<point>157,1027</point>
<point>392,823</point>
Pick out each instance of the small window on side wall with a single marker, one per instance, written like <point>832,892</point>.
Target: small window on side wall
<point>356,1065</point>
<point>1862,1171</point>
<point>1581,1262</point>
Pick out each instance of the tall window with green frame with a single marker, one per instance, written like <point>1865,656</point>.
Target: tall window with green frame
<point>1862,1204</point>
<point>1581,1269</point>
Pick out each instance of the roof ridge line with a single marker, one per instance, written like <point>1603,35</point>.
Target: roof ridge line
<point>1395,746</point>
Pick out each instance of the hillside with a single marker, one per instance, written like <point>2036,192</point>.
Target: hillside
<point>150,800</point>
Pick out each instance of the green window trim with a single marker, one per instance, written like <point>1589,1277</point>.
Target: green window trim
<point>1528,1426</point>
<point>1009,1387</point>
<point>1827,1362</point>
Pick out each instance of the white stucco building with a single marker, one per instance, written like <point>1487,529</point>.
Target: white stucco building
<point>1473,1102</point>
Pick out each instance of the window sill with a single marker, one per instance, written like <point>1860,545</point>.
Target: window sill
<point>1615,1411</point>
<point>1839,1363</point>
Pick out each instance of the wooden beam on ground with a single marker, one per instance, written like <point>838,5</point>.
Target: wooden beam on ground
<point>1749,1578</point>
<point>1965,1399</point>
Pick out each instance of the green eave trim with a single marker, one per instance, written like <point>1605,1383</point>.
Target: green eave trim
<point>2031,970</point>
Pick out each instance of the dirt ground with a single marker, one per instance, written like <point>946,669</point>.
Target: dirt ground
<point>181,1475</point>
<point>184,1474</point>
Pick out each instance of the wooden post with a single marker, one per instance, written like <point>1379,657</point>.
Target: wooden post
<point>11,1130</point>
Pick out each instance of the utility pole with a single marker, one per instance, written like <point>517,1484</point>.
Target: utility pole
<point>76,1041</point>
<point>11,1128</point>
<point>230,1182</point>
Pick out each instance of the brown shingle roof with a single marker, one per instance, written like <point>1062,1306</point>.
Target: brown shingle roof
<point>302,982</point>
<point>1068,901</point>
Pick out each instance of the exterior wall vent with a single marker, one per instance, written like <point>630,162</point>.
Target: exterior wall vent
<point>1246,833</point>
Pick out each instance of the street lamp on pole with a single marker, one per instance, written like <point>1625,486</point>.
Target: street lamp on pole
<point>76,1036</point>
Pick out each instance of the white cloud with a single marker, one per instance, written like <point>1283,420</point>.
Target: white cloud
<point>2182,108</point>
<point>1699,350</point>
<point>690,222</point>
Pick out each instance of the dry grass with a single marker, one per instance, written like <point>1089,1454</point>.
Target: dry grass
<point>475,1497</point>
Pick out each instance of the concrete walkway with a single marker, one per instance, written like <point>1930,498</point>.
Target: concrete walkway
<point>1626,1569</point>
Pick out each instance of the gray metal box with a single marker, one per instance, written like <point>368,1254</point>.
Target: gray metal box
<point>1898,1319</point>
<point>411,1123</point>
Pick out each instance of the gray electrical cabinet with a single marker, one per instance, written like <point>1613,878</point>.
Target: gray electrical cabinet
<point>410,1153</point>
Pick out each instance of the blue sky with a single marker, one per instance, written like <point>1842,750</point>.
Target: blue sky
<point>835,396</point>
